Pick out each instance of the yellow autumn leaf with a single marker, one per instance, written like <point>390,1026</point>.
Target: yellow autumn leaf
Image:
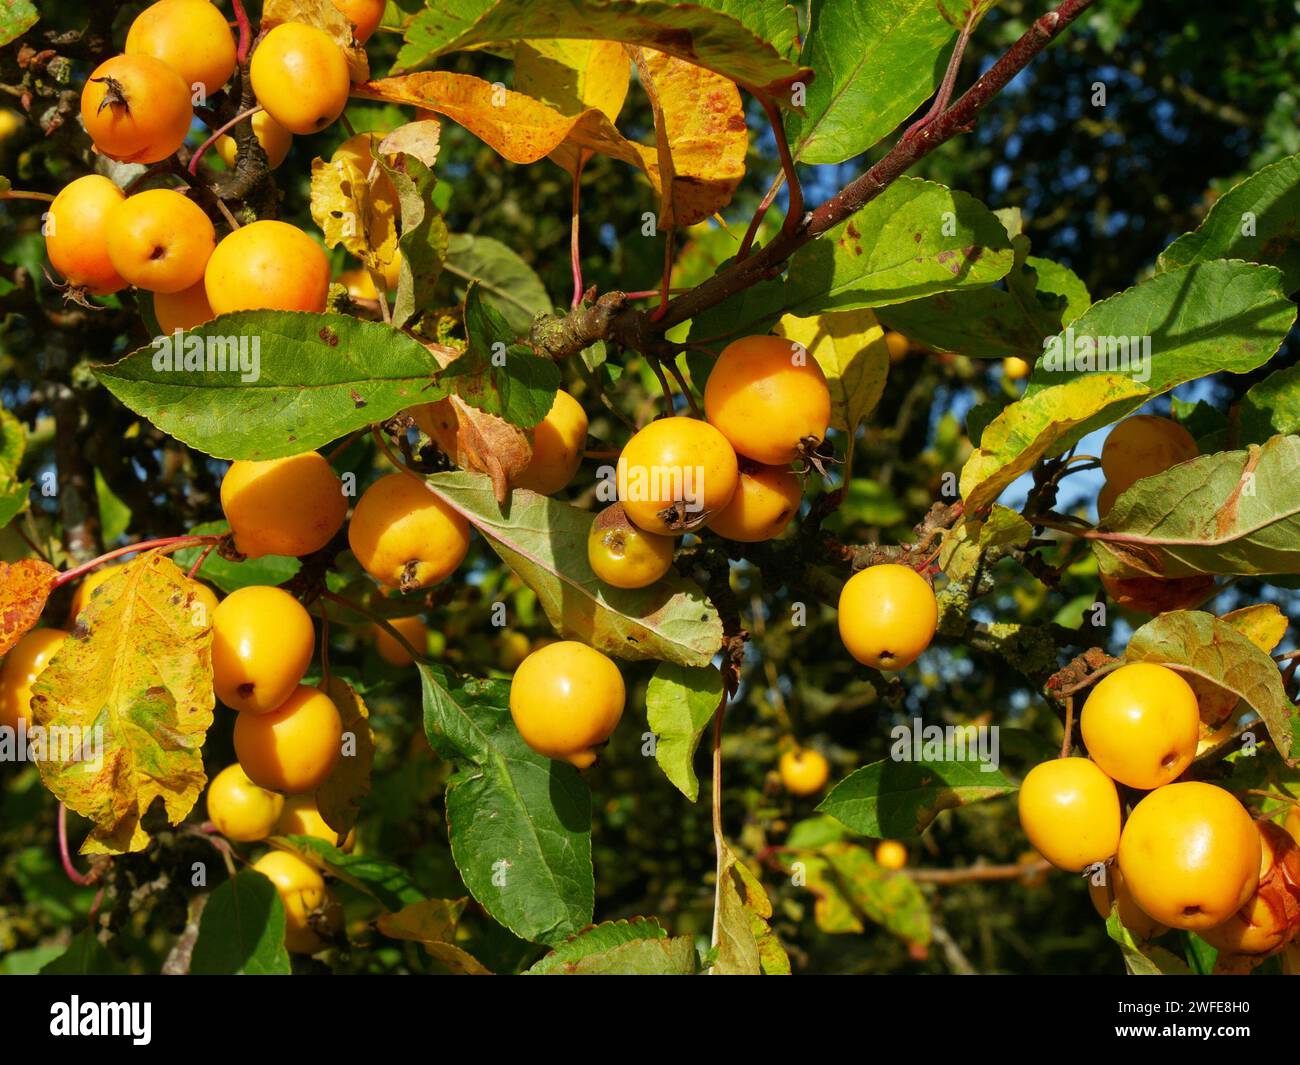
<point>1037,426</point>
<point>850,348</point>
<point>432,923</point>
<point>126,703</point>
<point>699,156</point>
<point>356,205</point>
<point>1263,624</point>
<point>571,77</point>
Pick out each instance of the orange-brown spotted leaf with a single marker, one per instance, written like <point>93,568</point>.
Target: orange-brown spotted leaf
<point>355,211</point>
<point>339,798</point>
<point>325,15</point>
<point>701,138</point>
<point>126,703</point>
<point>24,588</point>
<point>481,442</point>
<point>516,126</point>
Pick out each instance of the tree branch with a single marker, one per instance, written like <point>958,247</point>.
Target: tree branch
<point>641,332</point>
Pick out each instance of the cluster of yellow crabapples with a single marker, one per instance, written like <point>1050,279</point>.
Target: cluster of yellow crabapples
<point>765,402</point>
<point>1188,854</point>
<point>138,108</point>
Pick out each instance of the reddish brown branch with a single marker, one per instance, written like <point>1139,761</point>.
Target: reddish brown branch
<point>637,330</point>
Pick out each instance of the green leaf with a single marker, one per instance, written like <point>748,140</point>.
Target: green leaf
<point>1199,320</point>
<point>496,374</point>
<point>851,886</point>
<point>424,238</point>
<point>231,576</point>
<point>16,18</point>
<point>1233,512</point>
<point>1199,643</point>
<point>389,885</point>
<point>1272,406</point>
<point>644,957</point>
<point>241,930</point>
<point>520,823</point>
<point>507,283</point>
<point>915,239</point>
<point>315,378</point>
<point>545,541</point>
<point>114,515</point>
<point>85,956</point>
<point>1039,299</point>
<point>705,37</point>
<point>1255,220</point>
<point>680,702</point>
<point>596,941</point>
<point>1144,959</point>
<point>898,800</point>
<point>13,444</point>
<point>876,62</point>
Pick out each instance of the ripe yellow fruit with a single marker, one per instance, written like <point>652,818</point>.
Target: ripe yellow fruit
<point>86,588</point>
<point>1190,854</point>
<point>25,662</point>
<point>1269,918</point>
<point>241,810</point>
<point>160,240</point>
<point>766,500</point>
<point>273,137</point>
<point>899,346</point>
<point>267,265</point>
<point>294,748</point>
<point>76,234</point>
<point>185,310</point>
<point>203,607</point>
<point>887,616</point>
<point>558,440</point>
<point>303,893</point>
<point>565,700</point>
<point>769,398</point>
<point>1131,915</point>
<point>804,771</point>
<point>1015,369</point>
<point>1141,725</point>
<point>404,536</point>
<point>891,854</point>
<point>262,640</point>
<point>1069,809</point>
<point>136,109</point>
<point>1142,446</point>
<point>392,652</point>
<point>290,506</point>
<point>300,76</point>
<point>624,556</point>
<point>365,16</point>
<point>301,817</point>
<point>1292,822</point>
<point>190,36</point>
<point>675,474</point>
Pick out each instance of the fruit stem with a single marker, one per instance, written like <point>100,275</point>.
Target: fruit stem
<point>78,878</point>
<point>1069,726</point>
<point>168,543</point>
<point>14,194</point>
<point>759,215</point>
<point>218,134</point>
<point>575,254</point>
<point>198,562</point>
<point>245,31</point>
